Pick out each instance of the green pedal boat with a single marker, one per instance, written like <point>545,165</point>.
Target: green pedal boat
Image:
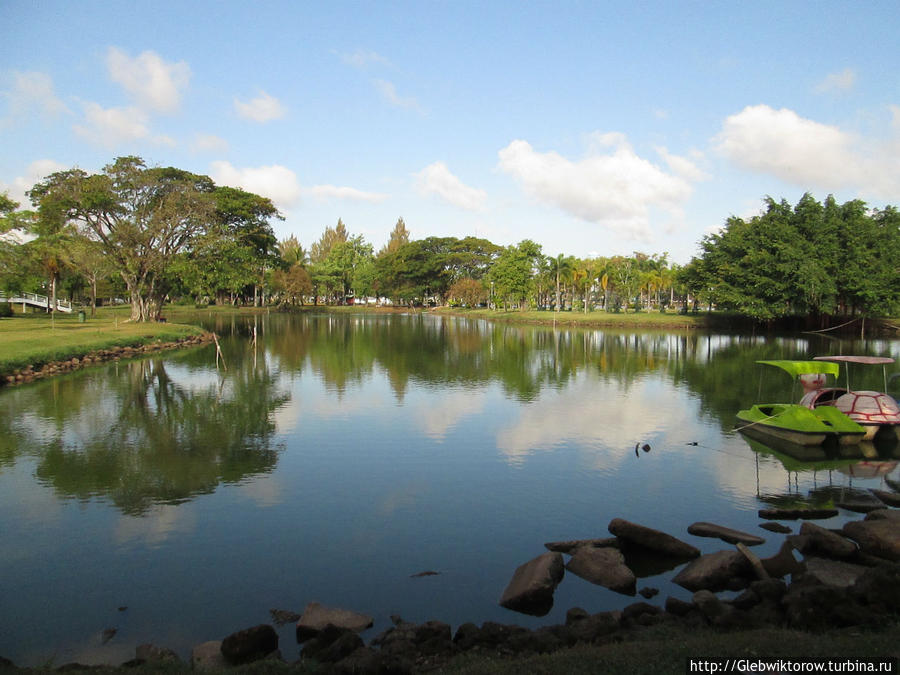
<point>796,423</point>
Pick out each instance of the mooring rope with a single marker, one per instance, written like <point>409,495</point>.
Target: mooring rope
<point>825,330</point>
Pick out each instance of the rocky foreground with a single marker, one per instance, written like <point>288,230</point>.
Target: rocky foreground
<point>846,577</point>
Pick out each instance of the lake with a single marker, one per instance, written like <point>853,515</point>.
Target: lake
<point>333,457</point>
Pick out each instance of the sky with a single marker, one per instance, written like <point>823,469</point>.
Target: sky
<point>593,128</point>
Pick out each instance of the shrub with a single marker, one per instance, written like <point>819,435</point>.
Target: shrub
<point>6,309</point>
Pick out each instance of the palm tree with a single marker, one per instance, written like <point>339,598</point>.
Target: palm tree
<point>563,266</point>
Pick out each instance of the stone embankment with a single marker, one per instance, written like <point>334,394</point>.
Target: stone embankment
<point>846,577</point>
<point>29,374</point>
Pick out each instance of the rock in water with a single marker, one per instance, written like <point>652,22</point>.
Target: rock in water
<point>250,644</point>
<point>208,657</point>
<point>877,537</point>
<point>316,616</point>
<point>714,571</point>
<point>283,616</point>
<point>725,534</point>
<point>604,567</point>
<point>531,588</point>
<point>652,539</point>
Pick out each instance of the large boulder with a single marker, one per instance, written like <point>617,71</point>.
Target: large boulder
<point>877,537</point>
<point>726,534</point>
<point>816,539</point>
<point>835,573</point>
<point>208,656</point>
<point>531,588</point>
<point>331,645</point>
<point>646,537</point>
<point>715,572</point>
<point>250,644</point>
<point>150,653</point>
<point>317,616</point>
<point>604,567</point>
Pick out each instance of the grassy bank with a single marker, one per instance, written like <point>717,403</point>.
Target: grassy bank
<point>36,339</point>
<point>591,319</point>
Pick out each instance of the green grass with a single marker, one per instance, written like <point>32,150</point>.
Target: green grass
<point>595,318</point>
<point>36,339</point>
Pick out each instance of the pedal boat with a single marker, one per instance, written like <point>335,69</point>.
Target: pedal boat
<point>797,423</point>
<point>877,412</point>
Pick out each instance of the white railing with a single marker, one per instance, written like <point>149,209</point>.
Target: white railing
<point>36,300</point>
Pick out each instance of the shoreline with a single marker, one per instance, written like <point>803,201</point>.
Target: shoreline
<point>97,356</point>
<point>842,602</point>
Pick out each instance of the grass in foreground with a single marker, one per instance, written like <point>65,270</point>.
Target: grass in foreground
<point>36,339</point>
<point>661,649</point>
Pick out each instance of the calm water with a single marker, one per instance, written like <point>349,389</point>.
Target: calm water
<point>340,455</point>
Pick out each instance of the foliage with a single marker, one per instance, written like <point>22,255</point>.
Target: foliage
<point>810,260</point>
<point>292,284</point>
<point>512,275</point>
<point>468,292</point>
<point>142,217</point>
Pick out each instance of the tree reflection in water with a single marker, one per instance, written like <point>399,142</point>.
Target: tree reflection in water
<point>145,437</point>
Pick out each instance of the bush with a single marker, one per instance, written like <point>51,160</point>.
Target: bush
<point>6,309</point>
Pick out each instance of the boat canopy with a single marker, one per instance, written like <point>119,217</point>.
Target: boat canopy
<point>797,368</point>
<point>868,360</point>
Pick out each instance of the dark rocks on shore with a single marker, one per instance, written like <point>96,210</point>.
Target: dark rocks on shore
<point>250,644</point>
<point>531,588</point>
<point>877,537</point>
<point>816,539</point>
<point>29,374</point>
<point>316,617</point>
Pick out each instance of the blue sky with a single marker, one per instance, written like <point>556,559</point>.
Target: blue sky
<point>593,128</point>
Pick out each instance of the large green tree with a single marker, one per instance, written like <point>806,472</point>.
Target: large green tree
<point>142,217</point>
<point>512,275</point>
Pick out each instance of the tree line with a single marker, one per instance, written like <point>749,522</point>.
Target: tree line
<point>151,234</point>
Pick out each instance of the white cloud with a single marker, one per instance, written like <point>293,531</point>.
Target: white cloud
<point>276,182</point>
<point>325,192</point>
<point>155,84</point>
<point>263,108</point>
<point>811,154</point>
<point>362,58</point>
<point>611,186</point>
<point>840,81</point>
<point>437,179</point>
<point>110,126</point>
<point>389,93</point>
<point>34,91</point>
<point>209,143</point>
<point>35,172</point>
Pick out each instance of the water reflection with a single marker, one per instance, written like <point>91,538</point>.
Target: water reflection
<point>824,470</point>
<point>159,433</point>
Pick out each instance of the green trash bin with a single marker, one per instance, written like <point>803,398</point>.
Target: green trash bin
<point>81,316</point>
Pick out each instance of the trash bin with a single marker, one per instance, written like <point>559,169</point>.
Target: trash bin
<point>81,316</point>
